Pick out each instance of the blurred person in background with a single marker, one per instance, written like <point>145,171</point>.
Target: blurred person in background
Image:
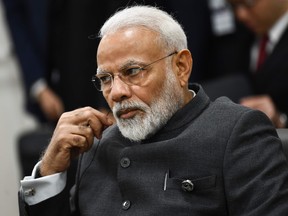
<point>268,20</point>
<point>13,120</point>
<point>51,40</point>
<point>263,59</point>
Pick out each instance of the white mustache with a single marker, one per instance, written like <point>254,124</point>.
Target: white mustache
<point>128,105</point>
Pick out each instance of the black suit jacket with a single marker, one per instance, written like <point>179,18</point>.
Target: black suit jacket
<point>272,77</point>
<point>230,155</point>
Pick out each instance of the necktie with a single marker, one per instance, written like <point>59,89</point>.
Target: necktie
<point>262,51</point>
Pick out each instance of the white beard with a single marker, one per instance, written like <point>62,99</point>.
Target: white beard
<point>155,117</point>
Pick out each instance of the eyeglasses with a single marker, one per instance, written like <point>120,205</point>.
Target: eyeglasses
<point>243,3</point>
<point>134,75</point>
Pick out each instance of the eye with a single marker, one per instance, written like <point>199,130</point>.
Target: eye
<point>104,78</point>
<point>132,71</point>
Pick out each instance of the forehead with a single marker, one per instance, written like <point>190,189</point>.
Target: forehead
<point>134,38</point>
<point>130,44</point>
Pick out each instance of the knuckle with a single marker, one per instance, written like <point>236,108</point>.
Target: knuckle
<point>85,112</point>
<point>65,114</point>
<point>61,137</point>
<point>77,139</point>
<point>88,108</point>
<point>61,127</point>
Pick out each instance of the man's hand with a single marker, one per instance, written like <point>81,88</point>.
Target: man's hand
<point>265,104</point>
<point>73,135</point>
<point>51,105</point>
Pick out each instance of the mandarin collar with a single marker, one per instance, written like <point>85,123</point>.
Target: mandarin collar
<point>184,116</point>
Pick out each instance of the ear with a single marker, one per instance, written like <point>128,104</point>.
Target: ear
<point>183,66</point>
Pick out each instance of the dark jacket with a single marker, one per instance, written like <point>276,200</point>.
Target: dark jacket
<point>212,158</point>
<point>272,77</point>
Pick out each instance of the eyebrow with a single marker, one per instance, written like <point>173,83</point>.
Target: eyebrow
<point>101,71</point>
<point>131,63</point>
<point>122,67</point>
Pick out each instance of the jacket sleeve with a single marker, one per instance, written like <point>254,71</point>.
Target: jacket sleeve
<point>57,206</point>
<point>255,168</point>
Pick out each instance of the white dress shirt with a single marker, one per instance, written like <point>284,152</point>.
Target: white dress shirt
<point>34,190</point>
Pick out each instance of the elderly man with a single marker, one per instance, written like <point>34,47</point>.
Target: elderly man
<point>172,151</point>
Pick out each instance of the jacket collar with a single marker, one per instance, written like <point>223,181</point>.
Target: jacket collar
<point>183,117</point>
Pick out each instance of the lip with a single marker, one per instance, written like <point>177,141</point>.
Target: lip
<point>127,113</point>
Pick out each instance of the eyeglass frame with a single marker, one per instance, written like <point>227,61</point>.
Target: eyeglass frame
<point>98,82</point>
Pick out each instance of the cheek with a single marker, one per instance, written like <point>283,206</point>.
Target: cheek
<point>108,100</point>
<point>147,94</point>
<point>153,90</point>
<point>144,94</point>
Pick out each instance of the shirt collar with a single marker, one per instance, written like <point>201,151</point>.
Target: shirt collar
<point>277,30</point>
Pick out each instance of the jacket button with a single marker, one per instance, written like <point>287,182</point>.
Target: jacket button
<point>126,205</point>
<point>125,162</point>
<point>187,185</point>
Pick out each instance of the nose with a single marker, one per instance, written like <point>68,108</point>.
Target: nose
<point>119,90</point>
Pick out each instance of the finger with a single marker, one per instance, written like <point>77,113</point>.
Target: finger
<point>98,121</point>
<point>97,127</point>
<point>84,115</point>
<point>87,132</point>
<point>78,144</point>
<point>103,118</point>
<point>61,150</point>
<point>87,116</point>
<point>90,129</point>
<point>82,131</point>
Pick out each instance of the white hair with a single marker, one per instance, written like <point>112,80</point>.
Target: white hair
<point>170,31</point>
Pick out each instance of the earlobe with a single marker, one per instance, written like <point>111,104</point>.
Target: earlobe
<point>184,66</point>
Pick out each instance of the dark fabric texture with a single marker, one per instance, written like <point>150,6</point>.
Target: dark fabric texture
<point>272,75</point>
<point>231,154</point>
